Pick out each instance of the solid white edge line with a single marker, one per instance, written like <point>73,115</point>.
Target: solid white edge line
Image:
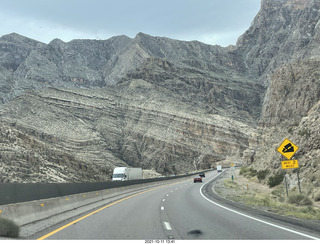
<point>247,216</point>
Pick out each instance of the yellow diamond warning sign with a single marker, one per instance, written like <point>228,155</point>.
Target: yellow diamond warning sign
<point>287,149</point>
<point>289,164</point>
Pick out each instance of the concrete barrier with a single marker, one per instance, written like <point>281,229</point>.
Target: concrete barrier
<point>11,193</point>
<point>28,212</point>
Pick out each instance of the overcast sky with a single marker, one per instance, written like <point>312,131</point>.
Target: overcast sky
<point>210,21</point>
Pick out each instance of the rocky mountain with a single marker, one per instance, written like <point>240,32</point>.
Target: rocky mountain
<point>73,111</point>
<point>150,122</point>
<point>287,32</point>
<point>282,31</point>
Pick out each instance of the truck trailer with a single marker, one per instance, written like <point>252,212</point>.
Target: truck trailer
<point>126,173</point>
<point>219,168</point>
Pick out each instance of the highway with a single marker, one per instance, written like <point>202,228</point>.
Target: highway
<point>177,211</point>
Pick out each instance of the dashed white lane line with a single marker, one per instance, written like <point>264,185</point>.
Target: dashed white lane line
<point>162,207</point>
<point>167,225</point>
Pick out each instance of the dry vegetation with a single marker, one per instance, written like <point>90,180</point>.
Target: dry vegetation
<point>250,192</point>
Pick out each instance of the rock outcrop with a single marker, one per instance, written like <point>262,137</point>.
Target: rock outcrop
<point>73,111</point>
<point>282,31</point>
<point>83,134</point>
<point>287,32</point>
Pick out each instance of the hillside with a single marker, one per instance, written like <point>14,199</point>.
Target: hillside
<point>287,32</point>
<point>73,111</point>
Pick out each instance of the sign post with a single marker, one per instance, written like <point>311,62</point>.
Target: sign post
<point>298,171</point>
<point>288,149</point>
<point>286,184</point>
<point>232,171</point>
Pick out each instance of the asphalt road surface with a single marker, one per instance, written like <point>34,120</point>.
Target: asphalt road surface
<point>177,211</point>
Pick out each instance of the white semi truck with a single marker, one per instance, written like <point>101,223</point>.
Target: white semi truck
<point>126,173</point>
<point>219,168</point>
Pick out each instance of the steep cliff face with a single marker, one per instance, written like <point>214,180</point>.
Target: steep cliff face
<point>294,89</point>
<point>290,107</point>
<point>97,63</point>
<point>15,49</point>
<point>220,92</point>
<point>291,110</point>
<point>81,135</point>
<point>181,53</point>
<point>26,64</point>
<point>281,51</point>
<point>282,30</point>
<point>77,63</point>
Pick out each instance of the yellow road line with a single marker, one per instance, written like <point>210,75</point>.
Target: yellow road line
<point>77,220</point>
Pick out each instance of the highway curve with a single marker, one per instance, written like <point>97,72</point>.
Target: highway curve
<point>182,210</point>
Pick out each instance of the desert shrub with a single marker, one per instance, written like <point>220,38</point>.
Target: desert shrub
<point>276,179</point>
<point>248,172</point>
<point>266,201</point>
<point>261,174</point>
<point>290,130</point>
<point>304,132</point>
<point>8,228</point>
<point>230,184</point>
<point>279,193</point>
<point>299,199</point>
<point>309,209</point>
<point>317,196</point>
<point>243,170</point>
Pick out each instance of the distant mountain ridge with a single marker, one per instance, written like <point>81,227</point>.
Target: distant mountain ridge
<point>73,111</point>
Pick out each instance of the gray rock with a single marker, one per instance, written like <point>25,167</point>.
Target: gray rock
<point>73,111</point>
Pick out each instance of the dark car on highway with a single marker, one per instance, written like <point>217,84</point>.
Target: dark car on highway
<point>202,175</point>
<point>197,178</point>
